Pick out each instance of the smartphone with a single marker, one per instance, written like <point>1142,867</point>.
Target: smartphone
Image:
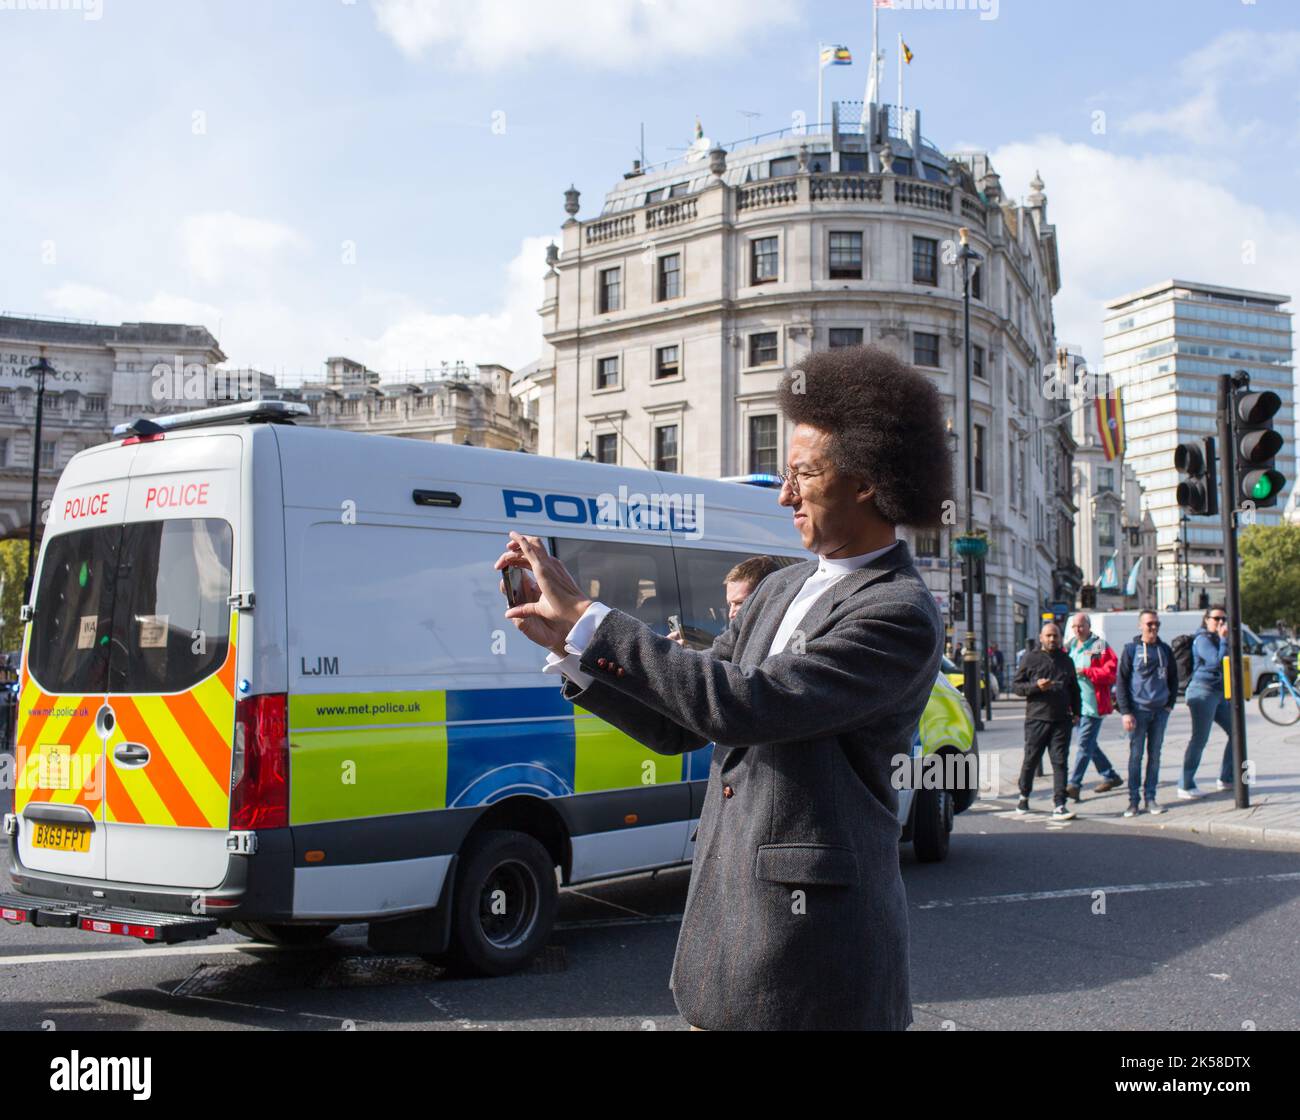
<point>674,624</point>
<point>513,578</point>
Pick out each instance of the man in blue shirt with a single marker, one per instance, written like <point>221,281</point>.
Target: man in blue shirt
<point>1206,701</point>
<point>1145,691</point>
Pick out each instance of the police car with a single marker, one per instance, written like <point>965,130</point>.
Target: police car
<point>266,684</point>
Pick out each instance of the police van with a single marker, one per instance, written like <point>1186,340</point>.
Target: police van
<point>267,684</point>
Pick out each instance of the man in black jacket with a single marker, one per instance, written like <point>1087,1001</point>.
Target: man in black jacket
<point>1047,680</point>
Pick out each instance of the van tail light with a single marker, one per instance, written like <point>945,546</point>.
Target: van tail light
<point>259,780</point>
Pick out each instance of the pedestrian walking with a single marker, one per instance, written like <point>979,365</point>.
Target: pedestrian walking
<point>1145,690</point>
<point>1047,680</point>
<point>1095,664</point>
<point>998,666</point>
<point>1206,701</point>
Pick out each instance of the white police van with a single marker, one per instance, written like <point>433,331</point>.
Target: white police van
<point>267,684</point>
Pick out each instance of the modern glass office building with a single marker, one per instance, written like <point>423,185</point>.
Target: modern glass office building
<point>1165,347</point>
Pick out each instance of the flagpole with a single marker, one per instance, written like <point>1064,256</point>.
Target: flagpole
<point>873,84</point>
<point>820,69</point>
<point>900,72</point>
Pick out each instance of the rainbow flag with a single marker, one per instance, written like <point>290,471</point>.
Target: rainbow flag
<point>1110,424</point>
<point>836,56</point>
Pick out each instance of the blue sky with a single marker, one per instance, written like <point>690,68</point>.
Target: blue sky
<point>380,178</point>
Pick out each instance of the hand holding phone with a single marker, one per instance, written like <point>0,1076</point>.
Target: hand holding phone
<point>512,580</point>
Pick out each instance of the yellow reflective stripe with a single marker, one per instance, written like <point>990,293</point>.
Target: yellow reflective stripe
<point>607,758</point>
<point>183,759</point>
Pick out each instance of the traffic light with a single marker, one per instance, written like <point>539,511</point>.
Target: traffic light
<point>1198,493</point>
<point>958,605</point>
<point>1088,597</point>
<point>1257,446</point>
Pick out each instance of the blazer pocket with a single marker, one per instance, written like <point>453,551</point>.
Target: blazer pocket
<point>823,864</point>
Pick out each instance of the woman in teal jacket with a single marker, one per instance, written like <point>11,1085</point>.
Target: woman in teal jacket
<point>1206,701</point>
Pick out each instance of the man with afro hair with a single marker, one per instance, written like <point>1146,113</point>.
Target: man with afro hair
<point>795,914</point>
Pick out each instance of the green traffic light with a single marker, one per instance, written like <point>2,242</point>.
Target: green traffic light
<point>1263,488</point>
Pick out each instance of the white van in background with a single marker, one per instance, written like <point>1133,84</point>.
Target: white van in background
<point>1118,628</point>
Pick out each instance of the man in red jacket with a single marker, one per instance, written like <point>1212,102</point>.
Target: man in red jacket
<point>1096,664</point>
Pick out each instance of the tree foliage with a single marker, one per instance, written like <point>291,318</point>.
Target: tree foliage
<point>1270,576</point>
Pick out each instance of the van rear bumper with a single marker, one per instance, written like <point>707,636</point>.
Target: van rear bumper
<point>256,888</point>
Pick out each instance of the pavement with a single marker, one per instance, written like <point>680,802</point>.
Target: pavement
<point>1273,817</point>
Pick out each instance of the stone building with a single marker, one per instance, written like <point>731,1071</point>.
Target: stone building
<point>670,316</point>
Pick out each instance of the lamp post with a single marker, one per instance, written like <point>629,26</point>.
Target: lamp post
<point>970,660</point>
<point>39,369</point>
<point>952,451</point>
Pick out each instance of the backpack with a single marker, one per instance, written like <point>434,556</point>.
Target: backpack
<point>1182,647</point>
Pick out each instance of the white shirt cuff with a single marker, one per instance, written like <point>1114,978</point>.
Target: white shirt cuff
<point>568,665</point>
<point>585,627</point>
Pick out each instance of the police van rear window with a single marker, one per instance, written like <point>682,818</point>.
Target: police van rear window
<point>135,608</point>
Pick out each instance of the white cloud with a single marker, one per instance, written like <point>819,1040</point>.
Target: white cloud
<point>1197,120</point>
<point>1126,222</point>
<point>82,301</point>
<point>510,335</point>
<point>494,34</point>
<point>219,244</point>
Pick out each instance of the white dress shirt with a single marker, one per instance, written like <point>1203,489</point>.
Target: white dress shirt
<point>828,572</point>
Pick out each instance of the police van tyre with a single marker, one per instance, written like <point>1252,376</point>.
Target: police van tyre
<point>504,904</point>
<point>931,824</point>
<point>283,934</point>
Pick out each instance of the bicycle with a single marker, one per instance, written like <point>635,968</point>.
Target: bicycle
<point>1279,702</point>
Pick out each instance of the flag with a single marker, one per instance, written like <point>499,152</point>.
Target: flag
<point>907,53</point>
<point>1131,588</point>
<point>835,55</point>
<point>1110,424</point>
<point>699,129</point>
<point>1109,577</point>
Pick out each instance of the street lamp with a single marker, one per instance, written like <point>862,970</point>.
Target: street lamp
<point>970,660</point>
<point>952,452</point>
<point>40,369</point>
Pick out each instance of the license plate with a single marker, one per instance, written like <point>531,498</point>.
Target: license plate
<point>62,837</point>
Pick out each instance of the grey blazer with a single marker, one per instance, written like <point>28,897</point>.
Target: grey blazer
<point>795,915</point>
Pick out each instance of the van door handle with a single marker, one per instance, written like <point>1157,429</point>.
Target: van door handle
<point>131,754</point>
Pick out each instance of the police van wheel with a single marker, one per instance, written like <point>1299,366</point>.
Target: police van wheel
<point>505,901</point>
<point>283,934</point>
<point>931,824</point>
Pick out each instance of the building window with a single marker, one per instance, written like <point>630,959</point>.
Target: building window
<point>762,348</point>
<point>4,452</point>
<point>927,543</point>
<point>666,448</point>
<point>95,402</point>
<point>765,260</point>
<point>607,373</point>
<point>925,349</point>
<point>611,289</point>
<point>977,362</point>
<point>47,454</point>
<point>1106,530</point>
<point>607,448</point>
<point>670,276</point>
<point>783,165</point>
<point>925,260</point>
<point>6,397</point>
<point>845,336</point>
<point>846,256</point>
<point>979,452</point>
<point>977,283</point>
<point>1105,479</point>
<point>667,362</point>
<point>762,445</point>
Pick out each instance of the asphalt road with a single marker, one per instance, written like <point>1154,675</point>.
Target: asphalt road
<point>1009,932</point>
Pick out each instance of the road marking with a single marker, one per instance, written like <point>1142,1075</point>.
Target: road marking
<point>1122,888</point>
<point>598,923</point>
<point>605,901</point>
<point>167,951</point>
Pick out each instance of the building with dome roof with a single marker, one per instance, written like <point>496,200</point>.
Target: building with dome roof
<point>670,315</point>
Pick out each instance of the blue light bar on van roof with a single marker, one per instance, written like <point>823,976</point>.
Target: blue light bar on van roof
<point>772,481</point>
<point>249,412</point>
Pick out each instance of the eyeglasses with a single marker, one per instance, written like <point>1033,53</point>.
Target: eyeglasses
<point>1218,618</point>
<point>791,478</point>
<point>1153,625</point>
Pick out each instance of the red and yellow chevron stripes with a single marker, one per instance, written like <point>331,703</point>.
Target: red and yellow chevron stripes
<point>1110,424</point>
<point>187,779</point>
